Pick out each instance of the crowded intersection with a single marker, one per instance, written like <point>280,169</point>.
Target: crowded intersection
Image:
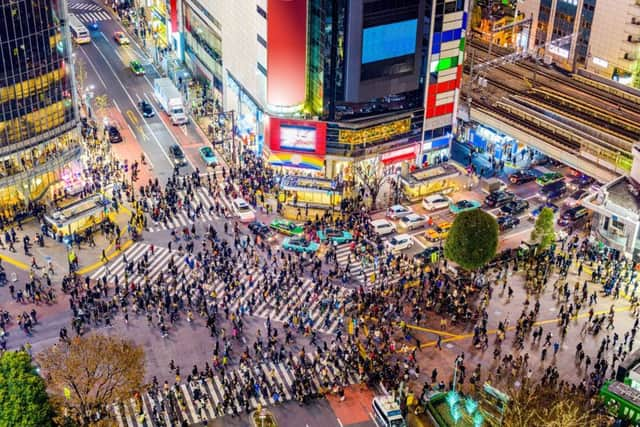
<point>295,325</point>
<point>200,230</point>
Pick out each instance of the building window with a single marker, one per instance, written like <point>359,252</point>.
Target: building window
<point>261,12</point>
<point>262,41</point>
<point>262,69</point>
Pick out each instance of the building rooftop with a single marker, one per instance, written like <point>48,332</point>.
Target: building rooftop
<point>625,193</point>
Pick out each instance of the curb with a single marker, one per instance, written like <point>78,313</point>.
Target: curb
<point>112,255</point>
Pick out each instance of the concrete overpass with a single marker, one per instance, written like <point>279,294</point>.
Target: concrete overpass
<point>581,153</point>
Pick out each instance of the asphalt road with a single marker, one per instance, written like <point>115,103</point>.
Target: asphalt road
<point>107,68</point>
<point>508,238</point>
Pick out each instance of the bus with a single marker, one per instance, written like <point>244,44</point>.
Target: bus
<point>79,32</point>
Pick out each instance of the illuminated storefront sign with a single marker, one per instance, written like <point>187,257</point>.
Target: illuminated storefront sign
<point>600,62</point>
<point>376,133</point>
<point>395,156</point>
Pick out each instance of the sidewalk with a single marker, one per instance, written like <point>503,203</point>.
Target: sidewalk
<point>57,252</point>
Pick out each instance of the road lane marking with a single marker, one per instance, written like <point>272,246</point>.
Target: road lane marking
<point>115,50</point>
<point>132,117</point>
<point>134,103</point>
<point>104,85</point>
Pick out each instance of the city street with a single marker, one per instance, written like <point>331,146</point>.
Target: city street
<point>257,272</point>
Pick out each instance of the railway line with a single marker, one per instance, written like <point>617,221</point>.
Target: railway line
<point>614,98</point>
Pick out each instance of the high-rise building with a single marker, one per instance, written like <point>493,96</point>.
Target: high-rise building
<point>324,84</point>
<point>606,35</point>
<point>38,113</point>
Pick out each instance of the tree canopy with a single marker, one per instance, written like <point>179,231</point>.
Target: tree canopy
<point>92,372</point>
<point>23,394</point>
<point>546,406</point>
<point>472,240</point>
<point>543,232</point>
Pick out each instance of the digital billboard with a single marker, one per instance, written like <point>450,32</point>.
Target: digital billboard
<point>389,41</point>
<point>299,138</point>
<point>296,136</point>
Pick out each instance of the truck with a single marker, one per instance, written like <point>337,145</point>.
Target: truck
<point>170,100</point>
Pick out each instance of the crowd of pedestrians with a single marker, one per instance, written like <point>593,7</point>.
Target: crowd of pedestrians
<point>326,331</point>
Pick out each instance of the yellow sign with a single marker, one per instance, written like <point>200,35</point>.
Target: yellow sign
<point>376,133</point>
<point>67,393</point>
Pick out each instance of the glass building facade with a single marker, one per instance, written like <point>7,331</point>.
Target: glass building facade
<point>38,113</point>
<point>564,20</point>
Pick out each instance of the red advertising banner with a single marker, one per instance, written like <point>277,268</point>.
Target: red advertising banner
<point>173,7</point>
<point>286,52</point>
<point>300,136</point>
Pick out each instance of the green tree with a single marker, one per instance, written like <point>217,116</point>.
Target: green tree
<point>23,394</point>
<point>472,240</point>
<point>543,232</point>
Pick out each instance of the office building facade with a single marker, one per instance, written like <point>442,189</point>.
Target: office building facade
<point>320,85</point>
<point>607,35</point>
<point>38,112</point>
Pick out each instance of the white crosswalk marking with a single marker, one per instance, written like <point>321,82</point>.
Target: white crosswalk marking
<point>138,264</point>
<point>74,5</point>
<point>186,217</point>
<point>212,391</point>
<point>361,268</point>
<point>90,17</point>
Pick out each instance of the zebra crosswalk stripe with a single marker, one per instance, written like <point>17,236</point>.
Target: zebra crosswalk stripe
<point>89,17</point>
<point>212,393</point>
<point>180,219</point>
<point>83,6</point>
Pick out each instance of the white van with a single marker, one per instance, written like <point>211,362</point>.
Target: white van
<point>387,412</point>
<point>244,210</point>
<point>382,227</point>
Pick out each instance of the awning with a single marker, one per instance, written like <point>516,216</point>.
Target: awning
<point>297,160</point>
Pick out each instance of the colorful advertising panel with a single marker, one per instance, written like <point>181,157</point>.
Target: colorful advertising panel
<point>286,52</point>
<point>303,136</point>
<point>389,41</point>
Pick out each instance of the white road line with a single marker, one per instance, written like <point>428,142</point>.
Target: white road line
<point>104,85</point>
<point>134,103</point>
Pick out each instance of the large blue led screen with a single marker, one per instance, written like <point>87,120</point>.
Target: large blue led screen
<point>389,41</point>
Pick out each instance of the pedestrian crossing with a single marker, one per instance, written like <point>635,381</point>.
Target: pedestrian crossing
<point>204,399</point>
<point>186,217</point>
<point>91,17</point>
<point>317,310</point>
<point>84,6</point>
<point>361,268</point>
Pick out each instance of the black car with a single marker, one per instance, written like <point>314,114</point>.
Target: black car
<point>424,257</point>
<point>580,181</point>
<point>146,109</point>
<point>508,222</point>
<point>114,135</point>
<point>261,229</point>
<point>178,156</point>
<point>498,198</point>
<point>515,207</point>
<point>573,215</point>
<point>522,176</point>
